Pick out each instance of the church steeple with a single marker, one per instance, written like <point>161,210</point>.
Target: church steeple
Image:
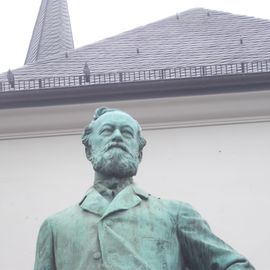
<point>52,32</point>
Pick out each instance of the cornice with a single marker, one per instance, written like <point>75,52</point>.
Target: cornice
<point>158,113</point>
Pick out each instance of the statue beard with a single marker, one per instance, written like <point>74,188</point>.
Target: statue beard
<point>115,162</point>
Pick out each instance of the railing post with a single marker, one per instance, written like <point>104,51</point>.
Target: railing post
<point>243,67</point>
<point>203,71</point>
<point>170,73</point>
<point>120,77</point>
<point>175,74</point>
<point>161,74</point>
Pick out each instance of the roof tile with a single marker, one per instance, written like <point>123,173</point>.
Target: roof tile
<point>198,37</point>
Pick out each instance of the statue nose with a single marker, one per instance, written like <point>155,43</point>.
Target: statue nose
<point>117,136</point>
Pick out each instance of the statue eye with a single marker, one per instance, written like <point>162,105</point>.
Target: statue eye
<point>106,131</point>
<point>127,133</point>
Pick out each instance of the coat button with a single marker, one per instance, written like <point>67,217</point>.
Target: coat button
<point>97,255</point>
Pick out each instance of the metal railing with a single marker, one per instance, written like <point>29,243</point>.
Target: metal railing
<point>135,76</point>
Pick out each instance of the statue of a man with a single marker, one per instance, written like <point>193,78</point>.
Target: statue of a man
<point>118,226</point>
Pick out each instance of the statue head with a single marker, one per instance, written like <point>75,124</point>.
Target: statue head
<point>113,143</point>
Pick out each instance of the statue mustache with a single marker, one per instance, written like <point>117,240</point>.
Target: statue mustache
<point>118,145</point>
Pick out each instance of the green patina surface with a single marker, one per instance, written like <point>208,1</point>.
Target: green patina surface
<point>118,226</point>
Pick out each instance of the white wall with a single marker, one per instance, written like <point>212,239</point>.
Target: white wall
<point>211,151</point>
<point>221,170</point>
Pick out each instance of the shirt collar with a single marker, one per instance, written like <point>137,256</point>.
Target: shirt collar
<point>111,192</point>
<point>129,197</point>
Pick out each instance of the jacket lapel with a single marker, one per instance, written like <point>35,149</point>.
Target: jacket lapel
<point>129,197</point>
<point>95,203</point>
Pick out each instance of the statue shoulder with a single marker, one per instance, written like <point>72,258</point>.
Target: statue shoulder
<point>62,217</point>
<point>180,206</point>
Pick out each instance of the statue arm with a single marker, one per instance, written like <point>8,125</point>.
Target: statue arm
<point>202,249</point>
<point>45,248</point>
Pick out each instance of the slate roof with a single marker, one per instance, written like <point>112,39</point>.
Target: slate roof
<point>52,32</point>
<point>191,38</point>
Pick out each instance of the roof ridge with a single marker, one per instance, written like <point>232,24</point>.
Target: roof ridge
<point>223,12</point>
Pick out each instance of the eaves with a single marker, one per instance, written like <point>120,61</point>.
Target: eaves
<point>136,90</point>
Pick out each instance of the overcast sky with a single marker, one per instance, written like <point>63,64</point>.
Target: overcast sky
<point>93,20</point>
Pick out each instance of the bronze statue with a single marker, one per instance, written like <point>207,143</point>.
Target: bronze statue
<point>117,225</point>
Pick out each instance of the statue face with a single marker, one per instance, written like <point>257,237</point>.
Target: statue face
<point>115,145</point>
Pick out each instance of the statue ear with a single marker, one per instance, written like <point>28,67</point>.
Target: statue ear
<point>140,155</point>
<point>88,152</point>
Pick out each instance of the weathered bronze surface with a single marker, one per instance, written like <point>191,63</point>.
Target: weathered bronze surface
<point>118,226</point>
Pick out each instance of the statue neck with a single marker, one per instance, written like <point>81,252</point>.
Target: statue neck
<point>112,182</point>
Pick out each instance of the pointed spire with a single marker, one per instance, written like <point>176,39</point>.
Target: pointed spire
<point>52,32</point>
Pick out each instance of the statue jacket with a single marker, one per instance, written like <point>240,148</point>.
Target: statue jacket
<point>133,231</point>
